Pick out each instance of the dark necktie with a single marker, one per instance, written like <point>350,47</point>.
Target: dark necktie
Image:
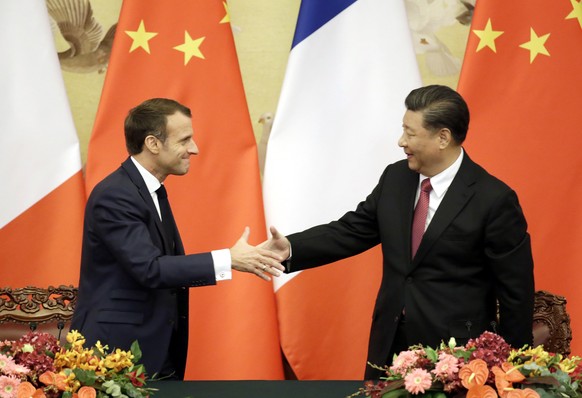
<point>420,213</point>
<point>167,218</point>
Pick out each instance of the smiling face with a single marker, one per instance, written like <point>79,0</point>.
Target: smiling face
<point>173,155</point>
<point>423,148</point>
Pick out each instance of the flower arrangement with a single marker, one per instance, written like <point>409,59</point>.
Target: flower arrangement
<point>36,366</point>
<point>487,367</point>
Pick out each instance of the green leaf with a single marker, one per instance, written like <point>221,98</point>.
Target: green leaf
<point>136,351</point>
<point>431,354</point>
<point>548,380</point>
<point>85,377</point>
<point>400,393</point>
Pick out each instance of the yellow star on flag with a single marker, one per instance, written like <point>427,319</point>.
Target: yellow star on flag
<point>487,37</point>
<point>190,48</point>
<point>226,18</point>
<point>536,45</point>
<point>140,38</point>
<point>576,11</point>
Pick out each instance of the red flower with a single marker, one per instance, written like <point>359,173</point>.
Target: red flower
<point>137,378</point>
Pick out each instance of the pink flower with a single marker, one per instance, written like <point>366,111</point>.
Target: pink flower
<point>417,381</point>
<point>447,366</point>
<point>13,369</point>
<point>8,385</point>
<point>404,361</point>
<point>5,362</point>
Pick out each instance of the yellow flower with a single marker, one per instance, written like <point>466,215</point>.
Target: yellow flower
<point>569,364</point>
<point>118,360</point>
<point>75,338</point>
<point>101,348</point>
<point>538,355</point>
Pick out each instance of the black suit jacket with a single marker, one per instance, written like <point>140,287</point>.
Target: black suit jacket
<point>130,288</point>
<point>475,251</point>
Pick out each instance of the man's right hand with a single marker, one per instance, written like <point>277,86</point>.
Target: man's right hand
<point>278,243</point>
<point>257,260</point>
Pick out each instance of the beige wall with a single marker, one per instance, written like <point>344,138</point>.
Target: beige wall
<point>263,32</point>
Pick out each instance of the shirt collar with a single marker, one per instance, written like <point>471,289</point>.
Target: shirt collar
<point>152,183</point>
<point>441,182</point>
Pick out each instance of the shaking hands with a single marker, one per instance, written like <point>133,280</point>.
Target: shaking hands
<point>260,260</point>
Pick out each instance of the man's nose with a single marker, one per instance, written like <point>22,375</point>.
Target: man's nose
<point>401,141</point>
<point>193,149</point>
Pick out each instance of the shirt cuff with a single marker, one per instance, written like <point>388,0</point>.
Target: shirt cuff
<point>222,264</point>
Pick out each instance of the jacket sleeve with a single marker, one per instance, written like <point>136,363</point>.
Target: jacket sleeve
<point>355,232</point>
<point>508,250</point>
<point>124,226</point>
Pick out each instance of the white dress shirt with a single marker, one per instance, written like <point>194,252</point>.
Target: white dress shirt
<point>221,258</point>
<point>440,183</point>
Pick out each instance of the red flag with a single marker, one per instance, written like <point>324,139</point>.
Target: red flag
<point>522,80</point>
<point>184,50</point>
<point>42,192</point>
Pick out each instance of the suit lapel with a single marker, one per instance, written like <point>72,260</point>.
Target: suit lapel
<point>456,198</point>
<point>409,187</point>
<point>138,181</point>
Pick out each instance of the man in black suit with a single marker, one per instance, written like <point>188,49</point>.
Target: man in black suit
<point>475,250</point>
<point>134,274</point>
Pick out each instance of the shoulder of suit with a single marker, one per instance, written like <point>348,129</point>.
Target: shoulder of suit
<point>398,170</point>
<point>118,183</point>
<point>484,180</point>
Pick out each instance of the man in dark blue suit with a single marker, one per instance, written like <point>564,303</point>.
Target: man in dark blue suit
<point>473,249</point>
<point>134,274</point>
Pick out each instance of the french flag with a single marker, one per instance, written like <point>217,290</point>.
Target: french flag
<point>42,195</point>
<point>336,128</point>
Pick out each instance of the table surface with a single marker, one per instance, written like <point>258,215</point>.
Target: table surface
<point>256,389</point>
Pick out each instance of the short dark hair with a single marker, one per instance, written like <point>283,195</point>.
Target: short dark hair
<point>150,118</point>
<point>441,107</point>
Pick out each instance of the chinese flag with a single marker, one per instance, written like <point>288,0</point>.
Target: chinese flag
<point>522,78</point>
<point>184,50</point>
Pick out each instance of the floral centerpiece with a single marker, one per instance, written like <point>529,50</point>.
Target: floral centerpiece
<point>487,367</point>
<point>37,366</point>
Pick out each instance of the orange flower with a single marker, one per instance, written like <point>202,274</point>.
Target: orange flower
<point>87,392</point>
<point>54,379</point>
<point>27,390</point>
<point>503,385</point>
<point>512,373</point>
<point>504,378</point>
<point>481,392</point>
<point>525,393</point>
<point>474,373</point>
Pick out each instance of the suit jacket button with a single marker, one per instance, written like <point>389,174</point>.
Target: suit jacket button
<point>409,279</point>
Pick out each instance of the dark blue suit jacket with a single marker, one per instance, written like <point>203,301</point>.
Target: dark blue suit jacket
<point>475,251</point>
<point>130,288</point>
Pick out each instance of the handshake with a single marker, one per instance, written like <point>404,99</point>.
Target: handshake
<point>262,260</point>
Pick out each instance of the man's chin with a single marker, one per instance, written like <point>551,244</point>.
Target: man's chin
<point>412,165</point>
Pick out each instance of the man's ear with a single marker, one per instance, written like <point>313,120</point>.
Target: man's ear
<point>152,144</point>
<point>445,138</point>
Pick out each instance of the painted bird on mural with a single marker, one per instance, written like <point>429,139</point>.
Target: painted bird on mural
<point>426,18</point>
<point>466,15</point>
<point>89,49</point>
